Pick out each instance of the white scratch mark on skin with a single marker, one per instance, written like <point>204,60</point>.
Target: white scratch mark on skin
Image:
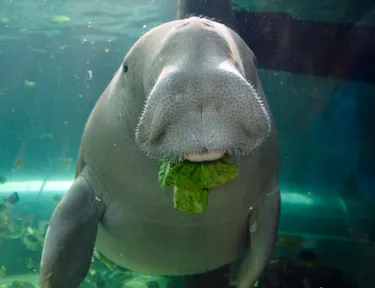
<point>41,260</point>
<point>254,227</point>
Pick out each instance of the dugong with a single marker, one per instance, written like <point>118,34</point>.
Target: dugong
<point>186,89</point>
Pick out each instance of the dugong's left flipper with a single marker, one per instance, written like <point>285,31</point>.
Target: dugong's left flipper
<point>264,223</point>
<point>70,238</point>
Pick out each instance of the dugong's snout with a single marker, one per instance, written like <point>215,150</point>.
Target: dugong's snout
<point>202,115</point>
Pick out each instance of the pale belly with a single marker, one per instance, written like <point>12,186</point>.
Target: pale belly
<point>148,235</point>
<point>165,249</point>
<point>141,230</point>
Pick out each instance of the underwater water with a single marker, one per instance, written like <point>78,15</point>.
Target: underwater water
<point>57,57</point>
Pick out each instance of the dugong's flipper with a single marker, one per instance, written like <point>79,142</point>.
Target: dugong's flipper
<point>70,238</point>
<point>264,222</point>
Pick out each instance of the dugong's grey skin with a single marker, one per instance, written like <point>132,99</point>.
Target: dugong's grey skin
<point>187,85</point>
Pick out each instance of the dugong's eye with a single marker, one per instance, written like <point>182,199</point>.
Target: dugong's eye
<point>125,68</point>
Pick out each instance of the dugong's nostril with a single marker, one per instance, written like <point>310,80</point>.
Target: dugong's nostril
<point>196,21</point>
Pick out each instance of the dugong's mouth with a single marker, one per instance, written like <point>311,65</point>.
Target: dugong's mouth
<point>209,155</point>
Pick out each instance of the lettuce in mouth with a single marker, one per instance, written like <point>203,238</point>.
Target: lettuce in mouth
<point>193,180</point>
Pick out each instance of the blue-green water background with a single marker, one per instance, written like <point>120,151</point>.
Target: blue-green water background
<point>327,195</point>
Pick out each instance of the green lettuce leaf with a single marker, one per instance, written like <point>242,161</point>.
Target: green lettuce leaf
<point>190,201</point>
<point>193,180</point>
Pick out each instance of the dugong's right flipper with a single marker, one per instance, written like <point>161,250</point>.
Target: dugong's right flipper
<point>264,223</point>
<point>70,237</point>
